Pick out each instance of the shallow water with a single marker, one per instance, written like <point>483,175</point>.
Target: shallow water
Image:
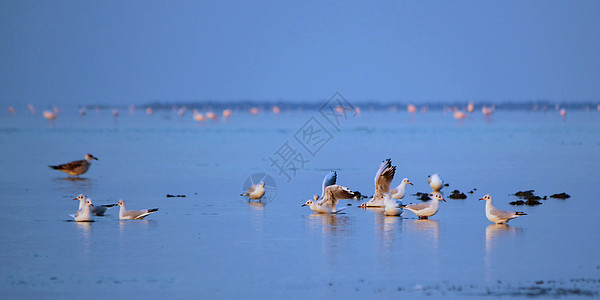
<point>213,243</point>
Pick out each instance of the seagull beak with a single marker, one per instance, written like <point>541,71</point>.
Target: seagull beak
<point>443,199</point>
<point>91,204</point>
<point>481,199</point>
<point>410,183</point>
<point>303,205</point>
<point>75,199</point>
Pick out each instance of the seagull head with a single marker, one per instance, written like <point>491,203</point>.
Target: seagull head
<point>437,196</point>
<point>89,157</point>
<point>486,197</point>
<point>315,197</point>
<point>80,197</point>
<point>89,202</point>
<point>120,202</point>
<point>406,181</point>
<point>308,203</point>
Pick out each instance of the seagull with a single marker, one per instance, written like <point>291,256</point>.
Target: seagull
<point>331,195</point>
<point>256,191</point>
<point>77,167</point>
<point>383,180</point>
<point>398,192</point>
<point>84,213</point>
<point>496,215</point>
<point>391,206</point>
<point>96,210</point>
<point>426,209</point>
<point>435,182</point>
<point>125,214</point>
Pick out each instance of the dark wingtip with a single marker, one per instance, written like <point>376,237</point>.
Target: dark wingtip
<point>109,205</point>
<point>153,210</point>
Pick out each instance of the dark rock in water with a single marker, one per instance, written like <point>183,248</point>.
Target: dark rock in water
<point>349,204</point>
<point>446,184</point>
<point>518,202</point>
<point>457,195</point>
<point>560,196</point>
<point>524,194</point>
<point>470,192</point>
<point>171,196</point>
<point>545,197</point>
<point>422,196</point>
<point>532,202</point>
<point>474,189</point>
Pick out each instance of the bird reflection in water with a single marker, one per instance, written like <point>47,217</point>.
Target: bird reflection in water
<point>425,228</point>
<point>387,228</point>
<point>86,229</point>
<point>336,234</point>
<point>495,235</point>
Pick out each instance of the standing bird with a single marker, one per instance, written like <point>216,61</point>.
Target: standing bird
<point>76,168</point>
<point>435,182</point>
<point>329,199</point>
<point>84,214</point>
<point>496,215</point>
<point>96,210</point>
<point>383,180</point>
<point>400,190</point>
<point>125,214</point>
<point>426,209</point>
<point>255,191</point>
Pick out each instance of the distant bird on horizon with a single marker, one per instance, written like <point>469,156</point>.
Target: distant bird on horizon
<point>49,115</point>
<point>76,168</point>
<point>227,113</point>
<point>497,215</point>
<point>198,117</point>
<point>426,209</point>
<point>255,191</point>
<point>435,182</point>
<point>411,108</point>
<point>212,116</point>
<point>125,214</point>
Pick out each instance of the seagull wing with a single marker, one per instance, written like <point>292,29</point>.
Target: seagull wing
<point>330,179</point>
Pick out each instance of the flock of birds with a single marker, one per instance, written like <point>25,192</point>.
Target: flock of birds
<point>385,197</point>
<point>86,207</point>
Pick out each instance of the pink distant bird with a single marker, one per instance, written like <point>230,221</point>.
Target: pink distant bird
<point>227,113</point>
<point>486,110</point>
<point>357,111</point>
<point>49,115</point>
<point>115,112</point>
<point>459,115</point>
<point>276,109</point>
<point>470,107</point>
<point>82,111</point>
<point>563,112</point>
<point>411,108</point>
<point>211,115</point>
<point>198,117</point>
<point>149,110</point>
<point>254,111</point>
<point>11,110</point>
<point>31,108</point>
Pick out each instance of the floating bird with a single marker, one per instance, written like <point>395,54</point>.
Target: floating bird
<point>149,110</point>
<point>276,109</point>
<point>254,111</point>
<point>227,113</point>
<point>470,107</point>
<point>435,182</point>
<point>486,110</point>
<point>563,112</point>
<point>331,195</point>
<point>11,110</point>
<point>400,190</point>
<point>125,214</point>
<point>76,168</point>
<point>459,115</point>
<point>426,209</point>
<point>96,210</point>
<point>391,207</point>
<point>115,112</point>
<point>496,215</point>
<point>84,214</point>
<point>383,180</point>
<point>255,191</point>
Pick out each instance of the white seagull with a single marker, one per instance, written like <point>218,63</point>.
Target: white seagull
<point>125,214</point>
<point>400,190</point>
<point>76,168</point>
<point>256,191</point>
<point>97,210</point>
<point>426,209</point>
<point>496,215</point>
<point>435,182</point>
<point>383,180</point>
<point>331,195</point>
<point>391,206</point>
<point>84,214</point>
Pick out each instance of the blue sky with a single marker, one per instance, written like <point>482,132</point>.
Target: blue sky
<point>121,52</point>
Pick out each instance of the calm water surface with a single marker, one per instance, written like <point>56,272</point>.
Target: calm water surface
<point>213,243</point>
